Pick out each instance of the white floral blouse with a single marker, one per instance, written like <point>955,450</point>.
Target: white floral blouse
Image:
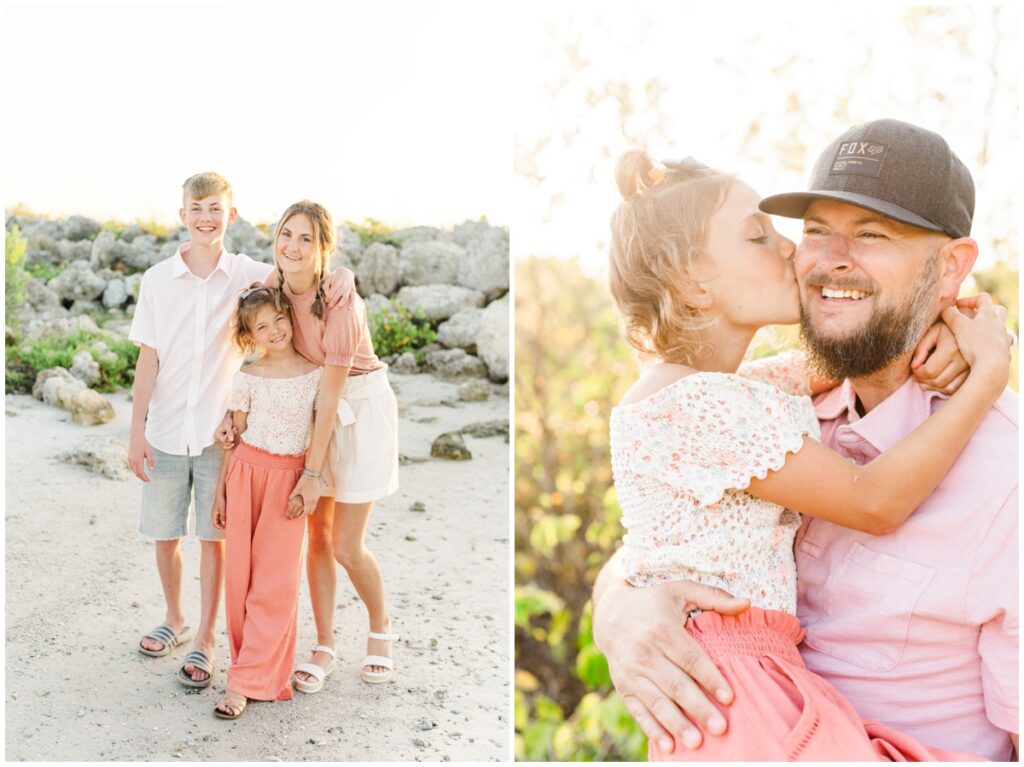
<point>280,410</point>
<point>682,459</point>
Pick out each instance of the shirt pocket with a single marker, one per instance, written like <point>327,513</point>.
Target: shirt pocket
<point>869,600</point>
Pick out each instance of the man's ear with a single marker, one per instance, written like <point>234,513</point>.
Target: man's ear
<point>956,259</point>
<point>232,214</point>
<point>181,214</point>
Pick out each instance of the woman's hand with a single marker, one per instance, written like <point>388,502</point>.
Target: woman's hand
<point>937,363</point>
<point>339,285</point>
<point>140,454</point>
<point>983,339</point>
<point>220,509</point>
<point>310,489</point>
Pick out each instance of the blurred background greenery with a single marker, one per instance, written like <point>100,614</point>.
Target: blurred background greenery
<point>571,364</point>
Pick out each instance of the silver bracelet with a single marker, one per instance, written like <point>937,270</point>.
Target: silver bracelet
<point>310,473</point>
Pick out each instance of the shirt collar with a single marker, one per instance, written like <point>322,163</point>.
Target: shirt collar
<point>179,268</point>
<point>891,420</point>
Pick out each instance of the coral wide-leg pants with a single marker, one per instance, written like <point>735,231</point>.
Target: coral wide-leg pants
<point>782,711</point>
<point>264,552</point>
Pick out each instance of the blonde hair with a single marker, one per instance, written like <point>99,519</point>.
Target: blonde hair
<point>255,297</point>
<point>323,237</point>
<point>657,231</point>
<point>203,185</point>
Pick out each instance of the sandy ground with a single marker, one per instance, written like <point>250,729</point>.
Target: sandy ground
<point>82,587</point>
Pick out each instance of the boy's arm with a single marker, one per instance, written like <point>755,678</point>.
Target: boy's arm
<point>139,452</point>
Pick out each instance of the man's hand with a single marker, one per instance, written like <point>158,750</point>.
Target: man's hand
<point>140,454</point>
<point>339,285</point>
<point>657,668</point>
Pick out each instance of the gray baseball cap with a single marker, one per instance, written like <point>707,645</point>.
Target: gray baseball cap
<point>894,168</point>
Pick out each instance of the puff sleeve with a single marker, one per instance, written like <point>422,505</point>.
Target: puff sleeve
<point>712,432</point>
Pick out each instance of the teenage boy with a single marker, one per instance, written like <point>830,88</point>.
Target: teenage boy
<point>182,382</point>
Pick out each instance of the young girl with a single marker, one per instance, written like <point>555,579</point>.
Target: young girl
<point>358,407</point>
<point>707,463</point>
<point>272,402</point>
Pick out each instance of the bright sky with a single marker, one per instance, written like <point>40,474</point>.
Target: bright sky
<point>389,110</point>
<point>758,90</point>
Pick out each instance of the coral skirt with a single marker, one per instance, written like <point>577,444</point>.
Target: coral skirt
<point>782,711</point>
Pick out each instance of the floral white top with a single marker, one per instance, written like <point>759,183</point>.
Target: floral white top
<point>280,410</point>
<point>682,459</point>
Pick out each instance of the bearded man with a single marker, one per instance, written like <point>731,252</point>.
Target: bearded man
<point>918,627</point>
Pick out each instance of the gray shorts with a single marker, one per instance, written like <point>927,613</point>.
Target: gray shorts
<point>167,497</point>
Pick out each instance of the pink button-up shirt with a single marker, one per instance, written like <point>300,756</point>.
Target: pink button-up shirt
<point>187,321</point>
<point>918,628</point>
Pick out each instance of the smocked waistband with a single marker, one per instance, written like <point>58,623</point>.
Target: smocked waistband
<point>754,632</point>
<point>258,457</point>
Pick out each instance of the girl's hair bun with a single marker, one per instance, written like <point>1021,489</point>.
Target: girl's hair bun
<point>635,172</point>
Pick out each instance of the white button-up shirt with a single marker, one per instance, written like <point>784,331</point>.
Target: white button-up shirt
<point>187,321</point>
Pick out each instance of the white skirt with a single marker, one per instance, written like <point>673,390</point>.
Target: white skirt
<point>364,443</point>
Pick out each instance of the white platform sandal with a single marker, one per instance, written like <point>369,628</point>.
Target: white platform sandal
<point>378,677</point>
<point>314,670</point>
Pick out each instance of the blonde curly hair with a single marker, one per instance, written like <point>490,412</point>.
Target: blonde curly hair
<point>657,231</point>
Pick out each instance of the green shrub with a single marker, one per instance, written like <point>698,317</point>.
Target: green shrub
<point>43,270</point>
<point>372,230</point>
<point>397,330</point>
<point>14,272</point>
<point>23,362</point>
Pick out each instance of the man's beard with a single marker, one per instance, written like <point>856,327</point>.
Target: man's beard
<point>888,333</point>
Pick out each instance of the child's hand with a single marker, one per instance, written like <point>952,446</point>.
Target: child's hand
<point>220,510</point>
<point>339,285</point>
<point>226,433</point>
<point>938,363</point>
<point>139,454</point>
<point>295,507</point>
<point>982,340</point>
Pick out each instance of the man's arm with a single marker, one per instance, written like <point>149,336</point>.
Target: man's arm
<point>656,666</point>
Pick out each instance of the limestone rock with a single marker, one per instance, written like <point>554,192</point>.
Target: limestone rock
<point>378,270</point>
<point>63,326</point>
<point>131,284</point>
<point>75,250</point>
<point>80,228</point>
<point>103,455</point>
<point>492,341</point>
<point>116,294</point>
<point>476,390</point>
<point>450,446</point>
<point>350,246</point>
<point>405,364</point>
<point>439,302</point>
<point>486,429</point>
<point>45,375</point>
<point>484,265</point>
<point>243,237</point>
<point>417,234</point>
<point>453,365</point>
<point>144,252</point>
<point>376,304</point>
<point>85,368</point>
<point>460,329</point>
<point>89,408</point>
<point>429,262</point>
<point>77,282</point>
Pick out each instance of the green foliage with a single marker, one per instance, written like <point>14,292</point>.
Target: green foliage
<point>372,230</point>
<point>117,365</point>
<point>571,367</point>
<point>43,270</point>
<point>1002,283</point>
<point>396,330</point>
<point>14,272</point>
<point>148,226</point>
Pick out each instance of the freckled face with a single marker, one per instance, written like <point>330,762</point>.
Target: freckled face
<point>748,265</point>
<point>295,247</point>
<point>272,329</point>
